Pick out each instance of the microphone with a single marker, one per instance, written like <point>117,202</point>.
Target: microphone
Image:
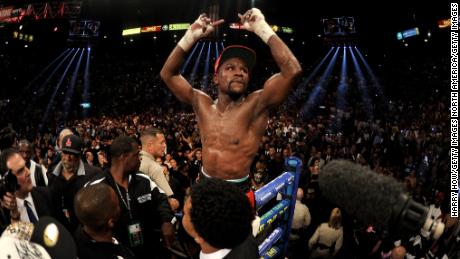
<point>375,199</point>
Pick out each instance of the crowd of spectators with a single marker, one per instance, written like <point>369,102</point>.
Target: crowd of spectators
<point>405,137</point>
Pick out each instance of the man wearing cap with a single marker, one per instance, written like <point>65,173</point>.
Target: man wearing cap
<point>67,177</point>
<point>57,149</point>
<point>232,126</point>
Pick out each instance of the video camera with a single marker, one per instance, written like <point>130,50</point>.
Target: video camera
<point>8,183</point>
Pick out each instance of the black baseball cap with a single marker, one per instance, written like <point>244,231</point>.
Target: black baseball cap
<point>72,144</point>
<point>248,55</point>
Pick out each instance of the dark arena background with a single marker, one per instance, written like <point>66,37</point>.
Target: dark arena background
<point>374,90</point>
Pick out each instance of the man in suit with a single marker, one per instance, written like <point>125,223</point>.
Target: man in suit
<point>28,203</point>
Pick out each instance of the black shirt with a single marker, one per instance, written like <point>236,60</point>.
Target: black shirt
<point>148,206</point>
<point>88,248</point>
<point>246,250</point>
<point>63,191</point>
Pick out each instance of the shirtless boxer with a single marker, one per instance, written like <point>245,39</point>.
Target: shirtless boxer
<point>232,126</point>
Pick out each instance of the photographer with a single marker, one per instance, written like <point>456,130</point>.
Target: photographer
<point>21,201</point>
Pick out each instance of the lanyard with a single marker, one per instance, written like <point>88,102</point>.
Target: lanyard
<point>127,202</point>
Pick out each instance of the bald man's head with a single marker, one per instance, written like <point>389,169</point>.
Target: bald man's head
<point>398,252</point>
<point>299,194</point>
<point>96,205</point>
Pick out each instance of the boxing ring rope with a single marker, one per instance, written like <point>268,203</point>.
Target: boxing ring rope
<point>280,216</point>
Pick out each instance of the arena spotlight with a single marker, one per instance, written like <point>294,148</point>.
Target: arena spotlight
<point>86,84</point>
<point>362,87</point>
<point>71,88</point>
<point>299,91</point>
<point>375,81</point>
<point>341,102</point>
<point>217,51</point>
<point>319,91</point>
<point>50,107</point>
<point>187,61</point>
<point>42,87</point>
<point>197,63</point>
<point>32,82</point>
<point>205,78</point>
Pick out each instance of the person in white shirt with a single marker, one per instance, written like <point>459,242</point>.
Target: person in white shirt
<point>328,237</point>
<point>153,147</point>
<point>302,217</point>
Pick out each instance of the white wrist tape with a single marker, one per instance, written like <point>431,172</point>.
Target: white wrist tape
<point>263,30</point>
<point>187,41</point>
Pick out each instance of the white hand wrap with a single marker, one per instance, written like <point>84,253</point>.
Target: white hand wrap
<point>264,31</point>
<point>200,28</point>
<point>187,41</point>
<point>256,23</point>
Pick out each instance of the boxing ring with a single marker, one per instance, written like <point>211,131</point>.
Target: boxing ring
<point>279,218</point>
